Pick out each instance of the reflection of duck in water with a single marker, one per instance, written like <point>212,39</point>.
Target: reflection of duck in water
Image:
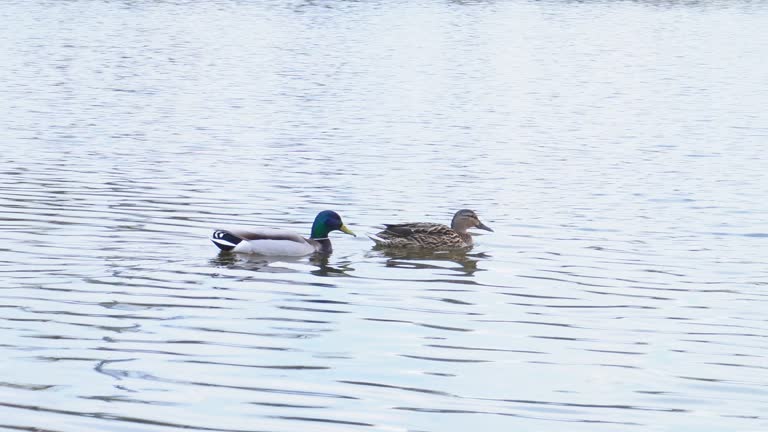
<point>275,242</point>
<point>427,235</point>
<point>318,264</point>
<point>427,259</point>
<point>324,269</point>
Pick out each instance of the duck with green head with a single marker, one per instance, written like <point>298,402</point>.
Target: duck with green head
<point>428,235</point>
<point>277,242</point>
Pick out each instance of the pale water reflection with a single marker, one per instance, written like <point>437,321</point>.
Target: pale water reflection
<point>463,262</point>
<point>616,148</point>
<point>317,264</point>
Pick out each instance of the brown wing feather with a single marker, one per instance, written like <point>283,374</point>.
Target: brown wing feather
<point>409,229</point>
<point>421,234</point>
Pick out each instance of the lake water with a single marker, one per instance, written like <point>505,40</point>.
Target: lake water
<point>616,147</point>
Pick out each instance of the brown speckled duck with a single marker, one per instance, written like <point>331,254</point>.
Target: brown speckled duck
<point>429,235</point>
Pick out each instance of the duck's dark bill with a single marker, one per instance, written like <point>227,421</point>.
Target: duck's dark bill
<point>483,226</point>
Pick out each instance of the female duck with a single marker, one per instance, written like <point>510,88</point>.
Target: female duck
<point>276,242</point>
<point>431,235</point>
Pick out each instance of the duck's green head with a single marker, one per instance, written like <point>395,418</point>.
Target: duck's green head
<point>327,221</point>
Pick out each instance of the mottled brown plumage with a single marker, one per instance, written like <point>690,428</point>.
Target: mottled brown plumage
<point>429,235</point>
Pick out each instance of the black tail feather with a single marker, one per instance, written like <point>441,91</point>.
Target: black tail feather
<point>225,240</point>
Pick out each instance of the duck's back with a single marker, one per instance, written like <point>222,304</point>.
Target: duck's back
<point>420,234</point>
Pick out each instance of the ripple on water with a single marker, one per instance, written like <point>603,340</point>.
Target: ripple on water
<point>623,287</point>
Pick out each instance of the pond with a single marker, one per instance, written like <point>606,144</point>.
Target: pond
<point>617,149</point>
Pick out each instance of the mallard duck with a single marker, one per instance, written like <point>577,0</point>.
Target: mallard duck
<point>431,235</point>
<point>277,242</point>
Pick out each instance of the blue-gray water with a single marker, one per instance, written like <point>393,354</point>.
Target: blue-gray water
<point>616,147</point>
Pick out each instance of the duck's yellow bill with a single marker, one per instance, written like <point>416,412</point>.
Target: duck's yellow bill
<point>346,230</point>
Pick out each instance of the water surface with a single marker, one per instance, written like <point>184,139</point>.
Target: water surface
<point>616,147</point>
